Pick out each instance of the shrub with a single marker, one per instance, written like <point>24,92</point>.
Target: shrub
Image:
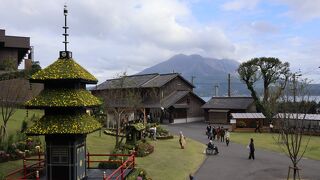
<point>108,165</point>
<point>138,172</point>
<point>241,124</point>
<point>4,157</point>
<point>114,165</point>
<point>144,149</point>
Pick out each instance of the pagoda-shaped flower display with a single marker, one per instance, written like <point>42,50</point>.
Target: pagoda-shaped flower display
<point>65,123</point>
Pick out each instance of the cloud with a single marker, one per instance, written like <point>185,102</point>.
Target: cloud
<point>236,5</point>
<point>302,10</point>
<point>109,36</point>
<point>264,27</point>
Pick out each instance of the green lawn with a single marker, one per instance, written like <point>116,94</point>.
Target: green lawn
<point>14,124</point>
<point>167,161</point>
<point>170,162</point>
<point>266,141</point>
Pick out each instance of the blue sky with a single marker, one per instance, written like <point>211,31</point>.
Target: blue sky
<point>109,37</point>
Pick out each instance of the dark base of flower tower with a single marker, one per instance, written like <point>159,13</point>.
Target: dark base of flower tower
<point>66,157</point>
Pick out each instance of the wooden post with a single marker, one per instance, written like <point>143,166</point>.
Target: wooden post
<point>39,157</point>
<point>144,116</point>
<point>134,158</point>
<point>24,169</point>
<point>121,171</point>
<point>88,160</point>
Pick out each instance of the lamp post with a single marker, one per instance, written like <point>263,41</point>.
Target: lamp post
<point>295,75</point>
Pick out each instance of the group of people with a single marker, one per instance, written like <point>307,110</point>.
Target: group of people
<point>219,134</point>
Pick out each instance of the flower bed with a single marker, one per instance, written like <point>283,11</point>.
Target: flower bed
<point>19,150</point>
<point>112,132</point>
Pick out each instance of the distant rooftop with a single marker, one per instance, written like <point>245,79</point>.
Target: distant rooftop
<point>22,44</point>
<point>248,116</point>
<point>228,103</point>
<point>139,81</point>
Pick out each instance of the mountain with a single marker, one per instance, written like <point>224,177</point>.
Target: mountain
<point>195,65</point>
<point>207,73</point>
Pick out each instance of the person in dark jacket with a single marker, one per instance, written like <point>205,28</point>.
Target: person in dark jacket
<point>251,149</point>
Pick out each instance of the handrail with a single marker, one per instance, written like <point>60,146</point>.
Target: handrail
<point>131,159</point>
<point>107,155</point>
<point>25,167</point>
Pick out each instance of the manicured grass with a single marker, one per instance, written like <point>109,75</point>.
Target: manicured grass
<point>267,141</point>
<point>168,161</point>
<point>14,124</point>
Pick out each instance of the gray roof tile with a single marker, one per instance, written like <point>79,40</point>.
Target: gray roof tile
<point>228,103</point>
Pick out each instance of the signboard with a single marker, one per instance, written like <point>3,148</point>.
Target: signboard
<point>233,121</point>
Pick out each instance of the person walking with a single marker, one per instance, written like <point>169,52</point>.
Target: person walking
<point>218,133</point>
<point>257,127</point>
<point>182,140</point>
<point>214,133</point>
<point>227,137</point>
<point>251,149</point>
<point>222,133</point>
<point>271,127</point>
<point>208,130</point>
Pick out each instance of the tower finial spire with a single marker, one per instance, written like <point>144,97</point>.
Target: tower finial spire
<point>65,12</point>
<point>65,54</point>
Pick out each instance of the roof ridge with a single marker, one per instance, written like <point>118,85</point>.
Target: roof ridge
<point>131,76</point>
<point>149,80</point>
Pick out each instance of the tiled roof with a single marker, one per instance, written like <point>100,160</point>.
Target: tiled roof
<point>139,81</point>
<point>228,103</point>
<point>248,116</point>
<point>173,98</point>
<point>160,80</point>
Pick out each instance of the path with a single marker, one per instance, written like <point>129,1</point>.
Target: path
<point>232,162</point>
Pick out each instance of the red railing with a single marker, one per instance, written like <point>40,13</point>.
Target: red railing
<point>120,171</point>
<point>129,163</point>
<point>23,174</point>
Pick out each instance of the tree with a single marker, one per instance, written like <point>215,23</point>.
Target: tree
<point>123,98</point>
<point>272,73</point>
<point>12,95</point>
<point>294,131</point>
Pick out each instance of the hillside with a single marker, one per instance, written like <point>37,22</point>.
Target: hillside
<point>207,73</point>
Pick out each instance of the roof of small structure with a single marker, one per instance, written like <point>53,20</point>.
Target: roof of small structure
<point>63,98</point>
<point>64,124</point>
<point>228,103</point>
<point>248,116</point>
<point>138,126</point>
<point>140,81</point>
<point>298,116</point>
<point>64,69</point>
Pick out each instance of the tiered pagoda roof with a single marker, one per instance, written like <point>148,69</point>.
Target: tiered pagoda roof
<point>64,69</point>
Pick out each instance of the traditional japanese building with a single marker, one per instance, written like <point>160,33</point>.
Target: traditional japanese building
<point>65,123</point>
<point>218,109</point>
<point>163,97</point>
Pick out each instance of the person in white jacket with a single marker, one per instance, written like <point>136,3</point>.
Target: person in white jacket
<point>227,137</point>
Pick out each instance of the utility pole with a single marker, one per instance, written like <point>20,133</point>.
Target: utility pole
<point>295,86</point>
<point>216,90</point>
<point>192,78</point>
<point>229,85</point>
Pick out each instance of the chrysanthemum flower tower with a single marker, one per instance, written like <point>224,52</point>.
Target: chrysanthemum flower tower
<point>65,123</point>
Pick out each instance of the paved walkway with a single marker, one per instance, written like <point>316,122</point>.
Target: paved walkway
<point>232,162</point>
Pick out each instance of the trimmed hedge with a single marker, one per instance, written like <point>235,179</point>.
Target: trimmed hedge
<point>64,98</point>
<point>64,124</point>
<point>63,69</point>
